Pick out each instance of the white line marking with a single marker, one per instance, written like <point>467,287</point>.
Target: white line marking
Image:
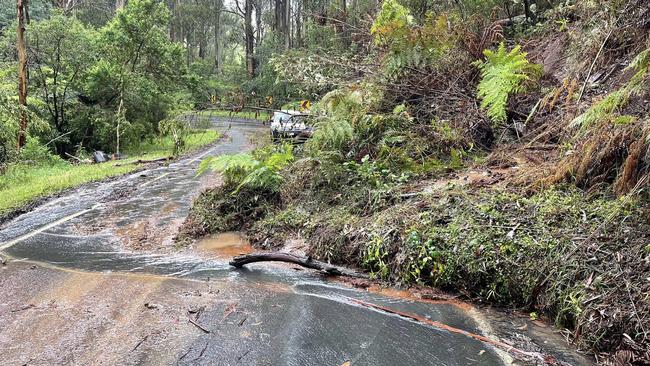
<point>155,179</point>
<point>9,244</point>
<point>200,156</point>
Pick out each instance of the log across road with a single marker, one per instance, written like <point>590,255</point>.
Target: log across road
<point>93,277</point>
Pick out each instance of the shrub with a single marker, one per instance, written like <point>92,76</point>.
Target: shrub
<point>261,172</point>
<point>36,153</point>
<point>503,74</point>
<point>177,130</point>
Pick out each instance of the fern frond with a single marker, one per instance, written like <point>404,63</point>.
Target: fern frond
<point>243,170</point>
<point>503,74</point>
<point>331,134</point>
<point>265,178</point>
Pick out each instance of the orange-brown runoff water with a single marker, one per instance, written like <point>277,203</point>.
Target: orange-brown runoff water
<point>222,245</point>
<point>411,296</point>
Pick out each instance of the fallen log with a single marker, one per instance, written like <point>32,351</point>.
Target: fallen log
<point>159,160</point>
<point>141,161</point>
<point>307,262</point>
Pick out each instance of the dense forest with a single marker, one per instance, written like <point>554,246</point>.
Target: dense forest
<point>496,148</point>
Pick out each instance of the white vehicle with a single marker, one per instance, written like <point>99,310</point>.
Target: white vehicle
<point>289,124</point>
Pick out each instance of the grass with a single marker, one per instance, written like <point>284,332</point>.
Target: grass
<point>23,183</point>
<point>260,116</point>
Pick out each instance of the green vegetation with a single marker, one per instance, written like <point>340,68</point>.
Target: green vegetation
<point>446,154</point>
<point>605,109</point>
<point>503,74</point>
<point>498,148</point>
<point>256,172</point>
<point>42,174</point>
<point>260,116</point>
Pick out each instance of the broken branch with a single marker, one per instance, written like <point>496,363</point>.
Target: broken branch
<point>306,262</point>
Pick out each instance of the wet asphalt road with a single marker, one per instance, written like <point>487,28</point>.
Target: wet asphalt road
<point>262,315</point>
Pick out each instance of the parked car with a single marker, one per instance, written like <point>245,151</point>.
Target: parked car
<point>288,124</point>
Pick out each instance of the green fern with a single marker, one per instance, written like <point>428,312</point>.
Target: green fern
<point>503,74</point>
<point>244,170</point>
<point>332,134</point>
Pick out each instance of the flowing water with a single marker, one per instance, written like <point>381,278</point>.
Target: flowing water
<point>94,278</point>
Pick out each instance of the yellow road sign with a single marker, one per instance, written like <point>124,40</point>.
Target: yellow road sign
<point>305,105</point>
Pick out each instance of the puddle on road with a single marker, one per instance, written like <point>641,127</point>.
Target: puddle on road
<point>224,245</point>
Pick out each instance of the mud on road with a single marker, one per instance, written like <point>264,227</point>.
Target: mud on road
<point>93,277</point>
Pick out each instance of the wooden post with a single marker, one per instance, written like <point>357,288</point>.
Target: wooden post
<point>23,17</point>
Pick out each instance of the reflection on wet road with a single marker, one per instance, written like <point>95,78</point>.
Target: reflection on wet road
<point>103,251</point>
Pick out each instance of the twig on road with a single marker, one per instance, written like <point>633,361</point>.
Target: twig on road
<point>198,325</point>
<point>140,343</point>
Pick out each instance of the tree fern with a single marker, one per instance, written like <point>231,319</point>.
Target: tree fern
<point>503,74</point>
<point>244,169</point>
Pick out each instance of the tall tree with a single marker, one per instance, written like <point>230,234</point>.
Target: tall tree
<point>218,5</point>
<point>22,7</point>
<point>287,24</point>
<point>249,38</point>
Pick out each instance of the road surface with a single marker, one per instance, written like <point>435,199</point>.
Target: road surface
<point>93,278</point>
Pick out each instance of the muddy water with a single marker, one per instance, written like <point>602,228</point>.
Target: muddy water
<point>94,278</point>
<point>224,245</point>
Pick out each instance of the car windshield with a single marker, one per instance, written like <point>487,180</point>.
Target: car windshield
<point>281,117</point>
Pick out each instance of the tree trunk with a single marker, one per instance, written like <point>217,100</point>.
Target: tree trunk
<point>344,24</point>
<point>217,34</point>
<point>307,262</point>
<point>249,38</point>
<point>277,16</point>
<point>171,4</point>
<point>299,24</point>
<point>23,16</point>
<point>530,15</point>
<point>203,43</point>
<point>119,4</point>
<point>120,113</point>
<point>258,23</point>
<point>287,24</point>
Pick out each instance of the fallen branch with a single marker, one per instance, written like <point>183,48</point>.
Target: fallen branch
<point>159,160</point>
<point>306,262</point>
<point>141,161</point>
<point>59,137</point>
<point>75,158</point>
